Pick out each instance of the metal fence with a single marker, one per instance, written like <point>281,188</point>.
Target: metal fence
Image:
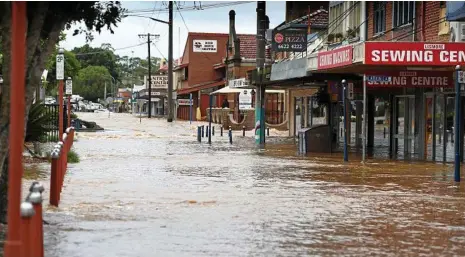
<point>52,109</point>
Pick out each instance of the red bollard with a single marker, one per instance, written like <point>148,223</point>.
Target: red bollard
<point>27,212</point>
<point>37,230</point>
<point>54,184</point>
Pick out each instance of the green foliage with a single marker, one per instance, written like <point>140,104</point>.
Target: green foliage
<point>74,115</point>
<point>99,56</point>
<point>37,124</point>
<point>90,82</point>
<point>73,157</point>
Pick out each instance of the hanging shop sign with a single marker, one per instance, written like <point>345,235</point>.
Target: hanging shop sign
<point>291,40</point>
<point>185,102</point>
<point>238,83</point>
<point>414,53</point>
<point>245,99</point>
<point>159,81</point>
<point>205,46</point>
<point>427,79</point>
<point>335,58</point>
<point>290,69</point>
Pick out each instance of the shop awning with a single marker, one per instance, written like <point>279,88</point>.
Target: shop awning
<point>200,87</point>
<point>228,90</point>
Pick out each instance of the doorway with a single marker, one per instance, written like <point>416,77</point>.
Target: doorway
<point>403,136</point>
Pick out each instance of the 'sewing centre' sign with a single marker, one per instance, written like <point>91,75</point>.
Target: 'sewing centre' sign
<point>414,53</point>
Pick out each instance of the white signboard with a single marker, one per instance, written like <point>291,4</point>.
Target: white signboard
<point>205,46</point>
<point>69,87</point>
<point>184,102</point>
<point>60,67</point>
<point>350,92</point>
<point>461,77</point>
<point>238,83</point>
<point>160,81</point>
<point>245,99</point>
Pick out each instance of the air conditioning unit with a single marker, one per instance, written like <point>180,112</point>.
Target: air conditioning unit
<point>457,31</point>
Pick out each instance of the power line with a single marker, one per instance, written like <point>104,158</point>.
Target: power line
<point>177,6</point>
<point>416,30</point>
<point>192,8</point>
<point>117,49</point>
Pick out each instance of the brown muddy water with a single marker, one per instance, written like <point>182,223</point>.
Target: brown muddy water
<point>149,189</point>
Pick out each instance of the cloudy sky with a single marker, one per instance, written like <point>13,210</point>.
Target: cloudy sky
<point>208,20</point>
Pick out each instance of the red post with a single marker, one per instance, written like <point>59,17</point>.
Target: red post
<point>27,212</point>
<point>12,246</point>
<point>69,112</point>
<point>37,242</point>
<point>54,185</point>
<point>60,110</point>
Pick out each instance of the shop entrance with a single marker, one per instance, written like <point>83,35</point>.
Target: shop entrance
<point>403,136</point>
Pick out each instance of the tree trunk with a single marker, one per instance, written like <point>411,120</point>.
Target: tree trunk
<point>36,56</point>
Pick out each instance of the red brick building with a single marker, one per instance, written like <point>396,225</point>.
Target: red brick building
<point>200,71</point>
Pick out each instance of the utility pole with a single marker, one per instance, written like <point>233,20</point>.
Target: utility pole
<point>170,62</point>
<point>260,65</point>
<point>148,36</point>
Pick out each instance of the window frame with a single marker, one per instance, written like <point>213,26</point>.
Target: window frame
<point>379,16</point>
<point>400,17</point>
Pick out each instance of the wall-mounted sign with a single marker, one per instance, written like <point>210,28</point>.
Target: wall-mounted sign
<point>335,58</point>
<point>69,87</point>
<point>205,46</point>
<point>238,83</point>
<point>289,40</point>
<point>245,99</point>
<point>185,102</point>
<point>414,53</point>
<point>60,67</point>
<point>410,79</point>
<point>160,81</point>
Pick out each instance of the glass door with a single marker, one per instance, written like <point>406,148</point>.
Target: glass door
<point>404,126</point>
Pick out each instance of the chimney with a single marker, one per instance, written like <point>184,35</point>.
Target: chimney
<point>233,36</point>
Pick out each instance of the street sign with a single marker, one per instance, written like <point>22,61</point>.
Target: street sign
<point>238,83</point>
<point>60,67</point>
<point>185,102</point>
<point>69,87</point>
<point>350,91</point>
<point>461,76</point>
<point>374,78</point>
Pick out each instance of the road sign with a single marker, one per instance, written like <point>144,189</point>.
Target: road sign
<point>69,87</point>
<point>350,91</point>
<point>461,76</point>
<point>60,67</point>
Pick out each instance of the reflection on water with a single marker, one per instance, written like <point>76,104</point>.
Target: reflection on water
<point>149,189</point>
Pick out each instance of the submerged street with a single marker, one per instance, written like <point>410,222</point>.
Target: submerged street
<point>150,189</point>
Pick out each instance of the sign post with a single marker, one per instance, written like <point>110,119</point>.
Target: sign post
<point>344,88</point>
<point>190,108</point>
<point>69,92</point>
<point>458,120</point>
<point>364,126</point>
<point>60,75</point>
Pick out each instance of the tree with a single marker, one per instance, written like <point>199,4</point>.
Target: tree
<point>98,56</point>
<point>72,67</point>
<point>45,22</point>
<point>90,82</point>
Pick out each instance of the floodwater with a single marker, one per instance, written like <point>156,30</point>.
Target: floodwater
<point>150,189</point>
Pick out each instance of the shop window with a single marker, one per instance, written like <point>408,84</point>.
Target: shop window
<point>402,13</point>
<point>443,24</point>
<point>379,23</point>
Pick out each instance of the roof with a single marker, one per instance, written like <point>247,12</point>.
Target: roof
<point>248,43</point>
<point>201,86</point>
<point>318,19</point>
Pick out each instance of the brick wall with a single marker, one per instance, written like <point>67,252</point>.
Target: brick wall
<point>406,32</point>
<point>201,64</point>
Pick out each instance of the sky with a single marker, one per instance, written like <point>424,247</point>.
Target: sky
<point>214,20</point>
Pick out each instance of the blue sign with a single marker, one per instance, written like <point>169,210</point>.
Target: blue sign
<point>378,78</point>
<point>455,11</point>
